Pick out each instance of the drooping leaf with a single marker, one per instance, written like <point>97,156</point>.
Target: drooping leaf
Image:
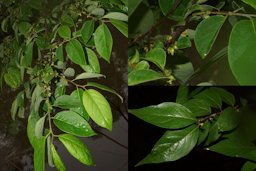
<point>39,154</point>
<point>75,52</point>
<point>77,149</point>
<point>165,115</point>
<point>57,160</point>
<point>64,32</point>
<point>241,52</point>
<point>66,102</point>
<point>182,94</point>
<point>173,145</point>
<point>121,26</point>
<point>142,76</point>
<point>206,34</point>
<point>72,123</point>
<point>116,16</point>
<point>157,56</point>
<point>228,119</point>
<point>198,107</point>
<point>93,60</point>
<point>103,41</point>
<point>87,30</point>
<point>98,108</point>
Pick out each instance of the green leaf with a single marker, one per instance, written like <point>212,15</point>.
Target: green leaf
<point>69,72</point>
<point>226,96</point>
<point>183,42</point>
<point>250,2</point>
<point>116,16</point>
<point>32,120</point>
<point>87,75</point>
<point>72,123</point>
<point>24,28</point>
<point>166,5</point>
<point>39,127</point>
<point>105,88</point>
<point>64,32</point>
<point>241,52</point>
<point>77,149</point>
<point>49,152</point>
<point>182,94</point>
<point>59,53</point>
<point>213,133</point>
<point>183,72</point>
<point>98,12</point>
<point>173,145</point>
<point>98,108</point>
<point>57,160</point>
<point>203,132</point>
<point>132,5</point>
<point>103,41</point>
<point>12,77</point>
<point>249,166</point>
<point>157,56</point>
<point>121,26</point>
<point>211,97</point>
<point>142,76</point>
<point>39,154</point>
<point>228,119</point>
<point>66,102</point>
<point>93,60</point>
<point>26,60</point>
<point>67,20</point>
<point>142,65</point>
<point>198,107</point>
<point>165,115</point>
<point>206,34</point>
<point>87,30</point>
<point>75,52</point>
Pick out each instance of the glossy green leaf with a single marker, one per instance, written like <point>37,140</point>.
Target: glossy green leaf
<point>12,77</point>
<point>211,97</point>
<point>121,26</point>
<point>142,76</point>
<point>173,145</point>
<point>87,75</point>
<point>182,94</point>
<point>105,88</point>
<point>250,2</point>
<point>206,34</point>
<point>39,154</point>
<point>226,96</point>
<point>72,123</point>
<point>87,30</point>
<point>75,52</point>
<point>98,108</point>
<point>157,56</point>
<point>228,119</point>
<point>165,115</point>
<point>116,16</point>
<point>26,60</point>
<point>57,160</point>
<point>39,127</point>
<point>198,107</point>
<point>241,52</point>
<point>249,166</point>
<point>77,149</point>
<point>93,60</point>
<point>64,32</point>
<point>166,5</point>
<point>66,102</point>
<point>103,41</point>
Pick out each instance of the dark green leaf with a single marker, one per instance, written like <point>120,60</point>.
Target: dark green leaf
<point>98,108</point>
<point>206,34</point>
<point>66,102</point>
<point>182,94</point>
<point>72,123</point>
<point>173,145</point>
<point>183,42</point>
<point>132,5</point>
<point>250,2</point>
<point>211,97</point>
<point>249,166</point>
<point>166,5</point>
<point>77,149</point>
<point>67,20</point>
<point>87,30</point>
<point>213,133</point>
<point>103,41</point>
<point>228,119</point>
<point>203,133</point>
<point>75,52</point>
<point>26,60</point>
<point>59,53</point>
<point>226,96</point>
<point>198,107</point>
<point>24,28</point>
<point>157,56</point>
<point>166,115</point>
<point>12,77</point>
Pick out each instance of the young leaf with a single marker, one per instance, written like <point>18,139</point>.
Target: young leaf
<point>39,128</point>
<point>165,115</point>
<point>157,56</point>
<point>105,88</point>
<point>211,97</point>
<point>228,119</point>
<point>75,52</point>
<point>87,30</point>
<point>93,60</point>
<point>72,123</point>
<point>249,166</point>
<point>206,34</point>
<point>182,94</point>
<point>121,26</point>
<point>173,145</point>
<point>39,154</point>
<point>66,102</point>
<point>116,16</point>
<point>103,41</point>
<point>98,108</point>
<point>77,149</point>
<point>142,76</point>
<point>241,52</point>
<point>64,32</point>
<point>57,160</point>
<point>198,107</point>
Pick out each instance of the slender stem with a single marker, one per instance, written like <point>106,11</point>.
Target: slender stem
<point>227,13</point>
<point>77,85</point>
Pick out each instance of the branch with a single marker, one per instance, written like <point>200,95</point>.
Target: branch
<point>227,13</point>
